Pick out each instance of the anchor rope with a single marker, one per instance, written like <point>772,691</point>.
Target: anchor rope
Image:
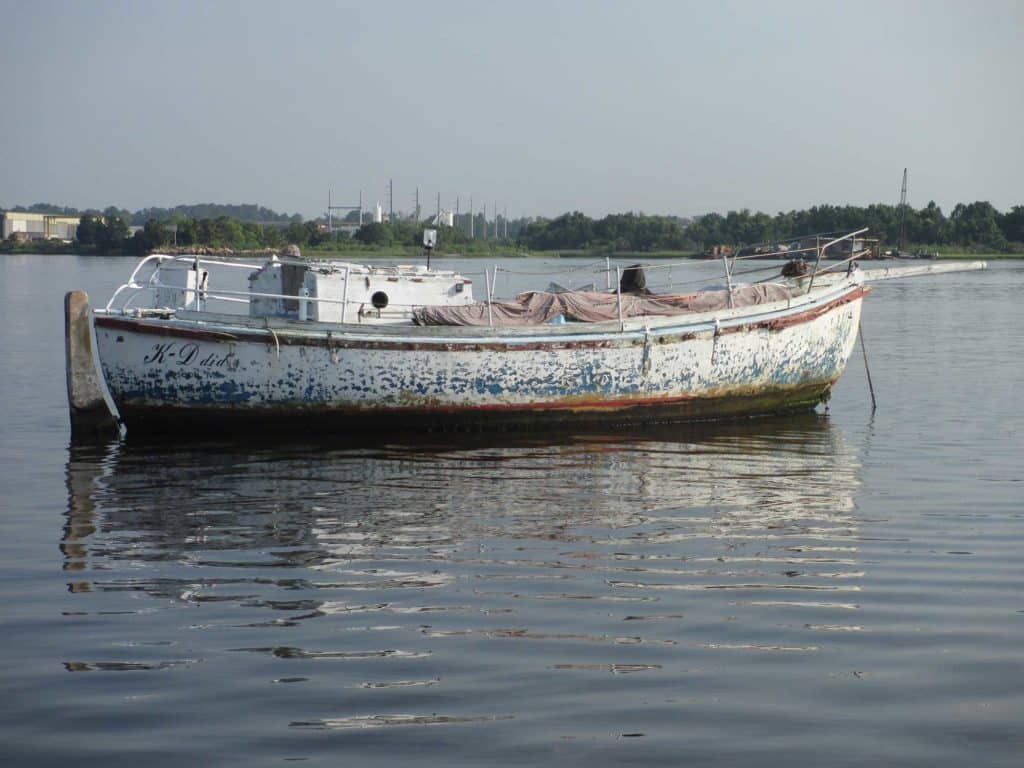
<point>864,351</point>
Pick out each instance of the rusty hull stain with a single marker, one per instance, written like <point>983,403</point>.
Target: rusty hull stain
<point>623,412</point>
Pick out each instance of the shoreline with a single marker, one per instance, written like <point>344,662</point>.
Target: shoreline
<point>55,248</point>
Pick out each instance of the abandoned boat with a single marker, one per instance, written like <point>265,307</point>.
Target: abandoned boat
<point>346,346</point>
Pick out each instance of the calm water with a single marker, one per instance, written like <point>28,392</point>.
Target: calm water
<point>836,589</point>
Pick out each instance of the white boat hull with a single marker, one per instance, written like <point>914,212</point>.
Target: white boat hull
<point>167,373</point>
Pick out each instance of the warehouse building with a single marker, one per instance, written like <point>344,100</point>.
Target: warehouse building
<point>37,226</point>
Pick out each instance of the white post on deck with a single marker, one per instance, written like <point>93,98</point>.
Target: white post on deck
<point>618,293</point>
<point>728,278</point>
<point>344,297</point>
<point>490,313</point>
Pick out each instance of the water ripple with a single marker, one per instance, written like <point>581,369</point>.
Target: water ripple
<point>380,721</point>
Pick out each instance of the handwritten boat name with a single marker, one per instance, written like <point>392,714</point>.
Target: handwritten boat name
<point>189,353</point>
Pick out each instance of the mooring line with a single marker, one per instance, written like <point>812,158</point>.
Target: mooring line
<point>864,351</point>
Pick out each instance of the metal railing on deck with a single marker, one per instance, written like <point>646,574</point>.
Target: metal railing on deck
<point>145,281</point>
<point>145,278</point>
<point>150,282</point>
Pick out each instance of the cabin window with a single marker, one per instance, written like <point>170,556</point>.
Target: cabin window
<point>379,300</point>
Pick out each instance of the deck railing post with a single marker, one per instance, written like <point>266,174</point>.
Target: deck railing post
<point>817,263</point>
<point>618,293</point>
<point>490,312</point>
<point>728,278</point>
<point>822,248</point>
<point>344,297</point>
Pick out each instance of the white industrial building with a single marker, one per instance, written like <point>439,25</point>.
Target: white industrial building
<point>37,226</point>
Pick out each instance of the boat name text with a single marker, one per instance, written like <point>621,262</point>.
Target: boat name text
<point>188,353</point>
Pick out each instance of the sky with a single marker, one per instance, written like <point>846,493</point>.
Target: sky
<point>675,108</point>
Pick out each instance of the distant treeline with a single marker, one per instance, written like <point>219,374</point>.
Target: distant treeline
<point>253,227</point>
<point>103,234</point>
<point>245,212</point>
<point>971,225</point>
<point>410,232</point>
<point>111,234</point>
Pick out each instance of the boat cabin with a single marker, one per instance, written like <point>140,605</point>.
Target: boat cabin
<point>341,292</point>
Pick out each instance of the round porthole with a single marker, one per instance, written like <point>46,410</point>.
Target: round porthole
<point>379,300</point>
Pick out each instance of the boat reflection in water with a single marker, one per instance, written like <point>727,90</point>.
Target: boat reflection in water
<point>311,504</point>
<point>431,564</point>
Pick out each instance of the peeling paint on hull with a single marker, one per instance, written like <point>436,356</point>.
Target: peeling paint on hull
<point>169,374</point>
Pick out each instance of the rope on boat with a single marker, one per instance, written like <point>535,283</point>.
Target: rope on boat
<point>277,344</point>
<point>867,370</point>
<point>560,270</point>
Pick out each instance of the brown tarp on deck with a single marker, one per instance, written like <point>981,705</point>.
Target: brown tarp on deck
<point>539,307</point>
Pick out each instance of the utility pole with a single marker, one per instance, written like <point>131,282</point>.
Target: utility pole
<point>391,199</point>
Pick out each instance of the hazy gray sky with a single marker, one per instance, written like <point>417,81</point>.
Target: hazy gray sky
<point>662,107</point>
